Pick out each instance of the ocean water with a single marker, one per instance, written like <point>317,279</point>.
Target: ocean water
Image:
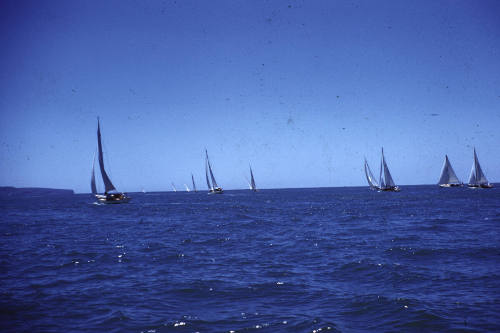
<point>291,260</point>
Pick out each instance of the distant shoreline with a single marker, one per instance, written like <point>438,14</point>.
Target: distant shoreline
<point>8,191</point>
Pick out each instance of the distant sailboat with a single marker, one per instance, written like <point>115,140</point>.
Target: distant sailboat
<point>252,181</point>
<point>194,185</point>
<point>173,187</point>
<point>386,182</point>
<point>448,177</point>
<point>93,187</point>
<point>187,188</point>
<point>212,186</point>
<point>111,195</point>
<point>369,177</point>
<point>477,179</point>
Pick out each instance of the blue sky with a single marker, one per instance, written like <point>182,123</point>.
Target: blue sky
<point>302,90</point>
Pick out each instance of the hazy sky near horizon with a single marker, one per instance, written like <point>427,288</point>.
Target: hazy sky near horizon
<point>302,90</point>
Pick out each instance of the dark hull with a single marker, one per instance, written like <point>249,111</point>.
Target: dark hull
<point>480,186</point>
<point>390,189</point>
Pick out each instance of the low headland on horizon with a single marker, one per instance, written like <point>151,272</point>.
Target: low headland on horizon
<point>32,191</point>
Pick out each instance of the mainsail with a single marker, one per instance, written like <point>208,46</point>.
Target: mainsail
<point>214,182</point>
<point>252,181</point>
<point>210,188</point>
<point>369,177</point>
<point>448,175</point>
<point>108,185</point>
<point>194,186</point>
<point>386,181</point>
<point>477,176</point>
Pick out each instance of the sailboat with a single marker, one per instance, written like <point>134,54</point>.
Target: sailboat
<point>213,188</point>
<point>187,188</point>
<point>477,179</point>
<point>93,187</point>
<point>252,181</point>
<point>111,195</point>
<point>369,177</point>
<point>386,182</point>
<point>173,187</point>
<point>194,185</point>
<point>448,177</point>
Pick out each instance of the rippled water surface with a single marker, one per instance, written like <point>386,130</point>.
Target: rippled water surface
<point>331,259</point>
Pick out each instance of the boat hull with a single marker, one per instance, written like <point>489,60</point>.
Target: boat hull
<point>480,186</point>
<point>390,189</point>
<point>217,190</point>
<point>112,198</point>
<point>450,185</point>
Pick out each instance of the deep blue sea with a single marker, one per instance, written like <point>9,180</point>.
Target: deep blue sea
<point>290,260</point>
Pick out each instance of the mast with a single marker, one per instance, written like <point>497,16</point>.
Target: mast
<point>108,185</point>
<point>194,185</point>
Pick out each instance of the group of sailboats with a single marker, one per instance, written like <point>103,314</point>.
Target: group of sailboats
<point>385,183</point>
<point>448,177</point>
<point>477,179</point>
<point>112,196</point>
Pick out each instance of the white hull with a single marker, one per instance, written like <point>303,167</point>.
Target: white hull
<point>450,185</point>
<point>217,190</point>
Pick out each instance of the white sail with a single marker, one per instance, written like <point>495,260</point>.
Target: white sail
<point>173,187</point>
<point>448,175</point>
<point>369,177</point>
<point>214,182</point>
<point>210,188</point>
<point>187,188</point>
<point>387,181</point>
<point>477,177</point>
<point>213,186</point>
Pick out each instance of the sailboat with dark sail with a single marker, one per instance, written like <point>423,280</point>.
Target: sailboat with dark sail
<point>252,181</point>
<point>213,188</point>
<point>194,185</point>
<point>448,177</point>
<point>111,195</point>
<point>386,183</point>
<point>369,177</point>
<point>477,179</point>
